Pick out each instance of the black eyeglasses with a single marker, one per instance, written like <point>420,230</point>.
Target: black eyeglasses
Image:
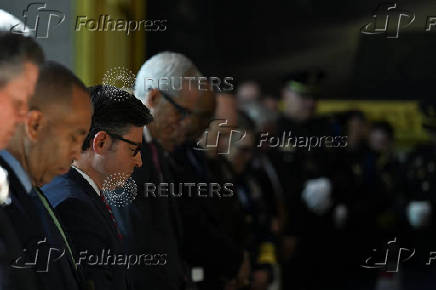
<point>184,112</point>
<point>118,137</point>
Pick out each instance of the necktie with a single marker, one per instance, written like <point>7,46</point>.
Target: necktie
<point>120,236</point>
<point>56,222</point>
<point>156,163</point>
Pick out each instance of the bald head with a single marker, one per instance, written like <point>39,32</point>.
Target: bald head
<point>58,121</point>
<point>54,89</point>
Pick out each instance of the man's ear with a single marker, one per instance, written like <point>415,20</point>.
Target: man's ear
<point>153,98</point>
<point>101,142</point>
<point>34,124</point>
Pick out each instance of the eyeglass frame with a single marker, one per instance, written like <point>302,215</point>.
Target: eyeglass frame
<point>184,112</point>
<point>119,137</point>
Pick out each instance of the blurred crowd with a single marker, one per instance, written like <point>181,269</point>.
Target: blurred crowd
<point>266,195</point>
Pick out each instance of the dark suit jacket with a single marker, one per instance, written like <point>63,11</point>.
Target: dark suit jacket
<point>87,221</point>
<point>10,249</point>
<point>33,224</point>
<point>152,225</point>
<point>205,243</point>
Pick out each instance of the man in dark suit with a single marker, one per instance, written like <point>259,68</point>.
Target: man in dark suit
<point>111,149</point>
<point>59,110</point>
<point>16,86</point>
<point>153,223</point>
<point>207,246</point>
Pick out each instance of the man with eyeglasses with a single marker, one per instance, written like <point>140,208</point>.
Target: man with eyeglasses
<point>164,84</point>
<point>109,154</point>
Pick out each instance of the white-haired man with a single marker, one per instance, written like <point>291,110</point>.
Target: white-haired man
<point>168,84</point>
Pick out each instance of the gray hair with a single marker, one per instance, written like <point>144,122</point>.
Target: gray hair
<point>15,48</point>
<point>164,71</point>
<point>7,21</point>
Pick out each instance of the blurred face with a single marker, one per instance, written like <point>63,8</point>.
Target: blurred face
<point>61,139</point>
<point>123,156</point>
<point>169,126</point>
<point>299,107</point>
<point>379,141</point>
<point>220,129</point>
<point>14,98</point>
<point>248,92</point>
<point>201,115</point>
<point>357,130</point>
<point>271,103</point>
<point>241,152</point>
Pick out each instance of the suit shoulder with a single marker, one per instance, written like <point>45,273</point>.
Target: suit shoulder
<point>62,188</point>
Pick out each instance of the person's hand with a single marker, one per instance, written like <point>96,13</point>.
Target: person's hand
<point>260,280</point>
<point>317,195</point>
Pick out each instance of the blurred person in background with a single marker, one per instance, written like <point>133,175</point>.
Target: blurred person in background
<point>418,206</point>
<point>263,168</point>
<point>271,102</point>
<point>246,215</point>
<point>207,247</point>
<point>20,58</point>
<point>310,233</point>
<point>258,204</point>
<point>371,182</point>
<point>59,110</point>
<point>248,91</point>
<point>108,153</point>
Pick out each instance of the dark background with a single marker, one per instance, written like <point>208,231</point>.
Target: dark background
<point>264,40</point>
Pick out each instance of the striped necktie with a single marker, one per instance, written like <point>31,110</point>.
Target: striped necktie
<point>120,236</point>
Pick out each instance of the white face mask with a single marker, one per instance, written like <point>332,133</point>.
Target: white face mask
<point>4,188</point>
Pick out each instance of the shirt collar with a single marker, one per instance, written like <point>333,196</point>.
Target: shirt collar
<point>89,179</point>
<point>147,135</point>
<point>19,171</point>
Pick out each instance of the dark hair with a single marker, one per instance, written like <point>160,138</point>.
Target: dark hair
<point>15,49</point>
<point>245,122</point>
<point>115,111</point>
<point>55,84</point>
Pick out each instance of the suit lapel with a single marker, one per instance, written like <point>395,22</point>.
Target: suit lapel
<point>96,200</point>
